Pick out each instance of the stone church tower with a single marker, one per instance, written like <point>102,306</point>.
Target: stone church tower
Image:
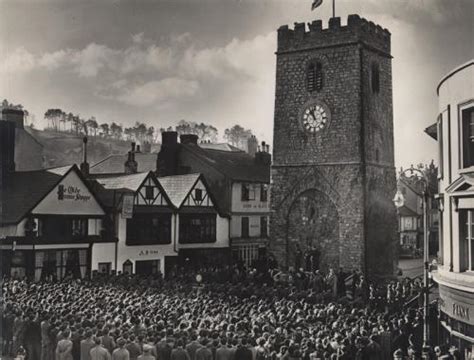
<point>333,174</point>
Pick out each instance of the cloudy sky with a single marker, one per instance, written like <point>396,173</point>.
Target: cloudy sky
<point>211,60</point>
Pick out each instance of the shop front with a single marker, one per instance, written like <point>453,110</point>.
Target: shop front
<point>53,236</point>
<point>456,319</point>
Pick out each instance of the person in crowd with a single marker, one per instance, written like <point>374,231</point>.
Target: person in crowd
<point>64,347</point>
<point>146,353</point>
<point>86,345</point>
<point>133,348</point>
<point>98,352</point>
<point>179,353</point>
<point>235,313</point>
<point>224,352</point>
<point>121,353</point>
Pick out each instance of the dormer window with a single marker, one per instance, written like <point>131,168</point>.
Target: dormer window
<point>314,76</point>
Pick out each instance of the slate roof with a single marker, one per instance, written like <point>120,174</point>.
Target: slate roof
<point>220,146</point>
<point>177,187</point>
<point>129,182</point>
<point>238,166</point>
<point>114,164</point>
<point>25,189</point>
<point>235,164</point>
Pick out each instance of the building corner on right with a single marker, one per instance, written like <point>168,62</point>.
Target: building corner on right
<point>455,273</point>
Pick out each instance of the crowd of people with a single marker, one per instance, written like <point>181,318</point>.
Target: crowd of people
<point>222,314</point>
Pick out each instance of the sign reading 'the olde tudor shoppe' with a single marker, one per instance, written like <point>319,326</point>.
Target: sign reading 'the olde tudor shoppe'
<point>70,197</point>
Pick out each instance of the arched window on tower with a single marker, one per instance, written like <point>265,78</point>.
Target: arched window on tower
<point>314,76</point>
<point>375,78</point>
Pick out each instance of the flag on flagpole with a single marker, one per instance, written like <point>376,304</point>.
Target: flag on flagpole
<point>315,4</point>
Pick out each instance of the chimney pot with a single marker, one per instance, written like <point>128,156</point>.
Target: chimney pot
<point>133,147</point>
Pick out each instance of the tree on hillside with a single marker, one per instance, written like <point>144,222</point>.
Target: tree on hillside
<point>54,118</point>
<point>70,119</point>
<point>116,130</point>
<point>238,136</point>
<point>205,132</point>
<point>140,131</point>
<point>92,125</point>
<point>150,134</point>
<point>105,129</point>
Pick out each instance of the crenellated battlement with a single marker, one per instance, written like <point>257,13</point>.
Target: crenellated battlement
<point>314,35</point>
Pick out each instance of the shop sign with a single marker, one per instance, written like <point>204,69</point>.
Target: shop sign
<point>127,206</point>
<point>455,308</point>
<point>73,193</point>
<point>148,252</point>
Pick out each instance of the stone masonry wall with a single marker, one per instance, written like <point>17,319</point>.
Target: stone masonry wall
<point>350,162</point>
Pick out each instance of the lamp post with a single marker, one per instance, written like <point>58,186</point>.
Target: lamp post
<point>399,202</point>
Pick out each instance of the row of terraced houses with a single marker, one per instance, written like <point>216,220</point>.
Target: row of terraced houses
<point>191,204</point>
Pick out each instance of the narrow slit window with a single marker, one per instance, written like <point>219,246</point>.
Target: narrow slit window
<point>375,78</point>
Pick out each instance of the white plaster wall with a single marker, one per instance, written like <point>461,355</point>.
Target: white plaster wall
<point>142,252</point>
<point>102,253</point>
<point>455,91</point>
<point>254,225</point>
<point>252,205</point>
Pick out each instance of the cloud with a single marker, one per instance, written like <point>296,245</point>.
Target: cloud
<point>155,92</point>
<point>93,59</point>
<point>18,61</point>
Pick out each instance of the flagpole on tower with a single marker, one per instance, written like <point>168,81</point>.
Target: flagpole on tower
<point>333,8</point>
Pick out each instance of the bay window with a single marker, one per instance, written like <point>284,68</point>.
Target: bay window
<point>145,229</point>
<point>467,137</point>
<point>197,228</point>
<point>466,243</point>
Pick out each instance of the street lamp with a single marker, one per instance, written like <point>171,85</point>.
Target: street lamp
<point>399,202</point>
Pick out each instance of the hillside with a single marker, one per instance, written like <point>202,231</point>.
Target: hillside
<point>65,148</point>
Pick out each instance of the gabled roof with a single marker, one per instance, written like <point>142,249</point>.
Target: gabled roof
<point>24,190</point>
<point>406,211</point>
<point>237,165</point>
<point>463,183</point>
<point>432,131</point>
<point>114,164</point>
<point>177,187</point>
<point>111,187</point>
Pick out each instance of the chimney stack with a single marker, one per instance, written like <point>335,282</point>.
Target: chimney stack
<point>138,149</point>
<point>7,150</point>
<point>189,139</point>
<point>252,145</point>
<point>84,164</point>
<point>131,166</point>
<point>147,147</point>
<point>263,156</point>
<point>167,159</point>
<point>14,115</point>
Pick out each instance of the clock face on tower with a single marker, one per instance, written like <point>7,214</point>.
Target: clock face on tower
<point>315,117</point>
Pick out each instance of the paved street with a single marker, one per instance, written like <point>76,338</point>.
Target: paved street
<point>411,267</point>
